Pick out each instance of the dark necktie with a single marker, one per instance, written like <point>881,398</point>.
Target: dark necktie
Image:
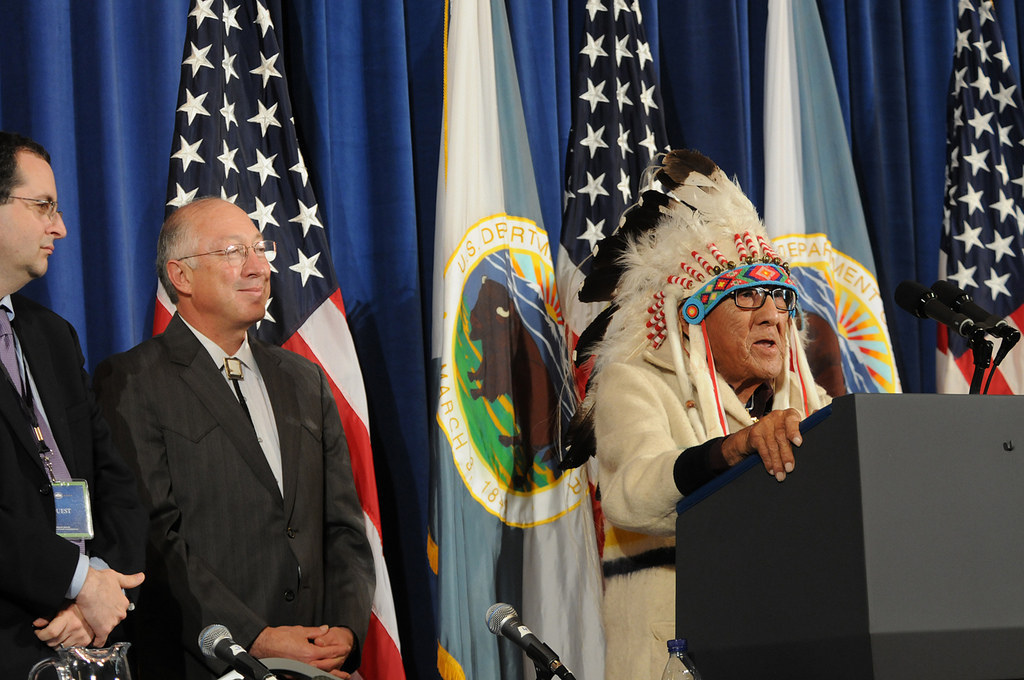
<point>233,367</point>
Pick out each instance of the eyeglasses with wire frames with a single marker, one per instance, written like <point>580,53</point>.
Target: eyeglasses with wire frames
<point>49,209</point>
<point>753,298</point>
<point>237,253</point>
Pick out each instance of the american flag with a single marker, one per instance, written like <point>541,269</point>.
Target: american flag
<point>235,137</point>
<point>617,129</point>
<point>983,221</point>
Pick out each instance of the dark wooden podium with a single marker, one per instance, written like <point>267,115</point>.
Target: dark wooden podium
<point>895,550</point>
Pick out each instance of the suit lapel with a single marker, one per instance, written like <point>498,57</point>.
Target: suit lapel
<point>198,371</point>
<point>283,399</point>
<point>15,417</point>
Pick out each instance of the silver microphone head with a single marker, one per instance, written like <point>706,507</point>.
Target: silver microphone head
<point>209,638</point>
<point>497,614</point>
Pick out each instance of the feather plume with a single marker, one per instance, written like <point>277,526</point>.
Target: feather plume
<point>607,267</point>
<point>678,165</point>
<point>581,437</point>
<point>593,334</point>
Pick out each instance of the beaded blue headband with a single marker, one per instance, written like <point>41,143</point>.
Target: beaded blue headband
<point>698,305</point>
<point>755,269</point>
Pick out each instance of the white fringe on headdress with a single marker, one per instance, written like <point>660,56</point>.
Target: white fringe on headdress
<point>675,344</point>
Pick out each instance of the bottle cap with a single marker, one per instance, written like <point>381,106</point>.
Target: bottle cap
<point>677,645</point>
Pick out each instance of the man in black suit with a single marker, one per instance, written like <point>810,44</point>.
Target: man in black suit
<point>53,446</point>
<point>254,519</point>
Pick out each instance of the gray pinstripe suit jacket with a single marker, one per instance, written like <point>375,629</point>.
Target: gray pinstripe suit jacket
<point>224,546</point>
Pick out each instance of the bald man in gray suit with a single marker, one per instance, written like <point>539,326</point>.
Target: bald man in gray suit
<point>255,521</point>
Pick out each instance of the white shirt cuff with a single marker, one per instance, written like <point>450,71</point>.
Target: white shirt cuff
<point>81,571</point>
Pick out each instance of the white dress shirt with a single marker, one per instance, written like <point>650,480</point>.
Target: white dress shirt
<point>257,399</point>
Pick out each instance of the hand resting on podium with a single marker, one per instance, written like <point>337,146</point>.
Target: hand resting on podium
<point>772,437</point>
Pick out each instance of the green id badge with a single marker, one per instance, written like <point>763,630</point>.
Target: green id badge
<point>74,511</point>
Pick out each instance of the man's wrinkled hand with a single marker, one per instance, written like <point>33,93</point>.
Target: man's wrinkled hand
<point>102,601</point>
<point>322,647</point>
<point>68,628</point>
<point>337,638</point>
<point>772,438</point>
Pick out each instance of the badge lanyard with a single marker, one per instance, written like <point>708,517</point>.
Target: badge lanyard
<point>71,498</point>
<point>26,401</point>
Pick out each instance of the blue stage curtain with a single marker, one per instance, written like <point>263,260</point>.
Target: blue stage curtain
<point>96,83</point>
<point>893,61</point>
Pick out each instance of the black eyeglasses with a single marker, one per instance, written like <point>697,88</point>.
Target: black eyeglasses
<point>753,298</point>
<point>48,208</point>
<point>237,253</point>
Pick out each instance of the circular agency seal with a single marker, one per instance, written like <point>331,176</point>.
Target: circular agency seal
<point>859,315</point>
<point>503,388</point>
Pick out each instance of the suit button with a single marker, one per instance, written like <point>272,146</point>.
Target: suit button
<point>45,490</point>
<point>289,595</point>
<point>291,532</point>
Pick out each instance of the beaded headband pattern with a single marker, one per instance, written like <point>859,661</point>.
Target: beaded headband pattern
<point>759,265</point>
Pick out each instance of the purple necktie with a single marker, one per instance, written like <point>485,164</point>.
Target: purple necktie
<point>54,462</point>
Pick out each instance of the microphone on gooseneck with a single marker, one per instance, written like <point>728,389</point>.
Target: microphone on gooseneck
<point>923,303</point>
<point>959,300</point>
<point>216,643</point>
<point>502,620</point>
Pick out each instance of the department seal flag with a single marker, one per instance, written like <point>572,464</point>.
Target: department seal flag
<point>813,210</point>
<point>506,525</point>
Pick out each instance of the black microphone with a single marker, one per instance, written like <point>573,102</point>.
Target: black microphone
<point>959,300</point>
<point>922,303</point>
<point>216,643</point>
<point>503,620</point>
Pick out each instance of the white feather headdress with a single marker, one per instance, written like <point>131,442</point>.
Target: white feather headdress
<point>692,237</point>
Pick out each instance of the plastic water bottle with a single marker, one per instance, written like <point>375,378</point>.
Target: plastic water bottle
<point>679,666</point>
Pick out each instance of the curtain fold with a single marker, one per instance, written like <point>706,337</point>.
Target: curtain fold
<point>350,70</point>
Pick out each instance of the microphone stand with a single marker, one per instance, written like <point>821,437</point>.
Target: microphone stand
<point>548,674</point>
<point>543,673</point>
<point>1008,338</point>
<point>981,349</point>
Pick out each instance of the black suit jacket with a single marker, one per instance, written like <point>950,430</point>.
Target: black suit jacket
<point>225,546</point>
<point>36,565</point>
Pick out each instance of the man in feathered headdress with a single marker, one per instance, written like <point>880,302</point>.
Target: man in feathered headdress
<point>697,365</point>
